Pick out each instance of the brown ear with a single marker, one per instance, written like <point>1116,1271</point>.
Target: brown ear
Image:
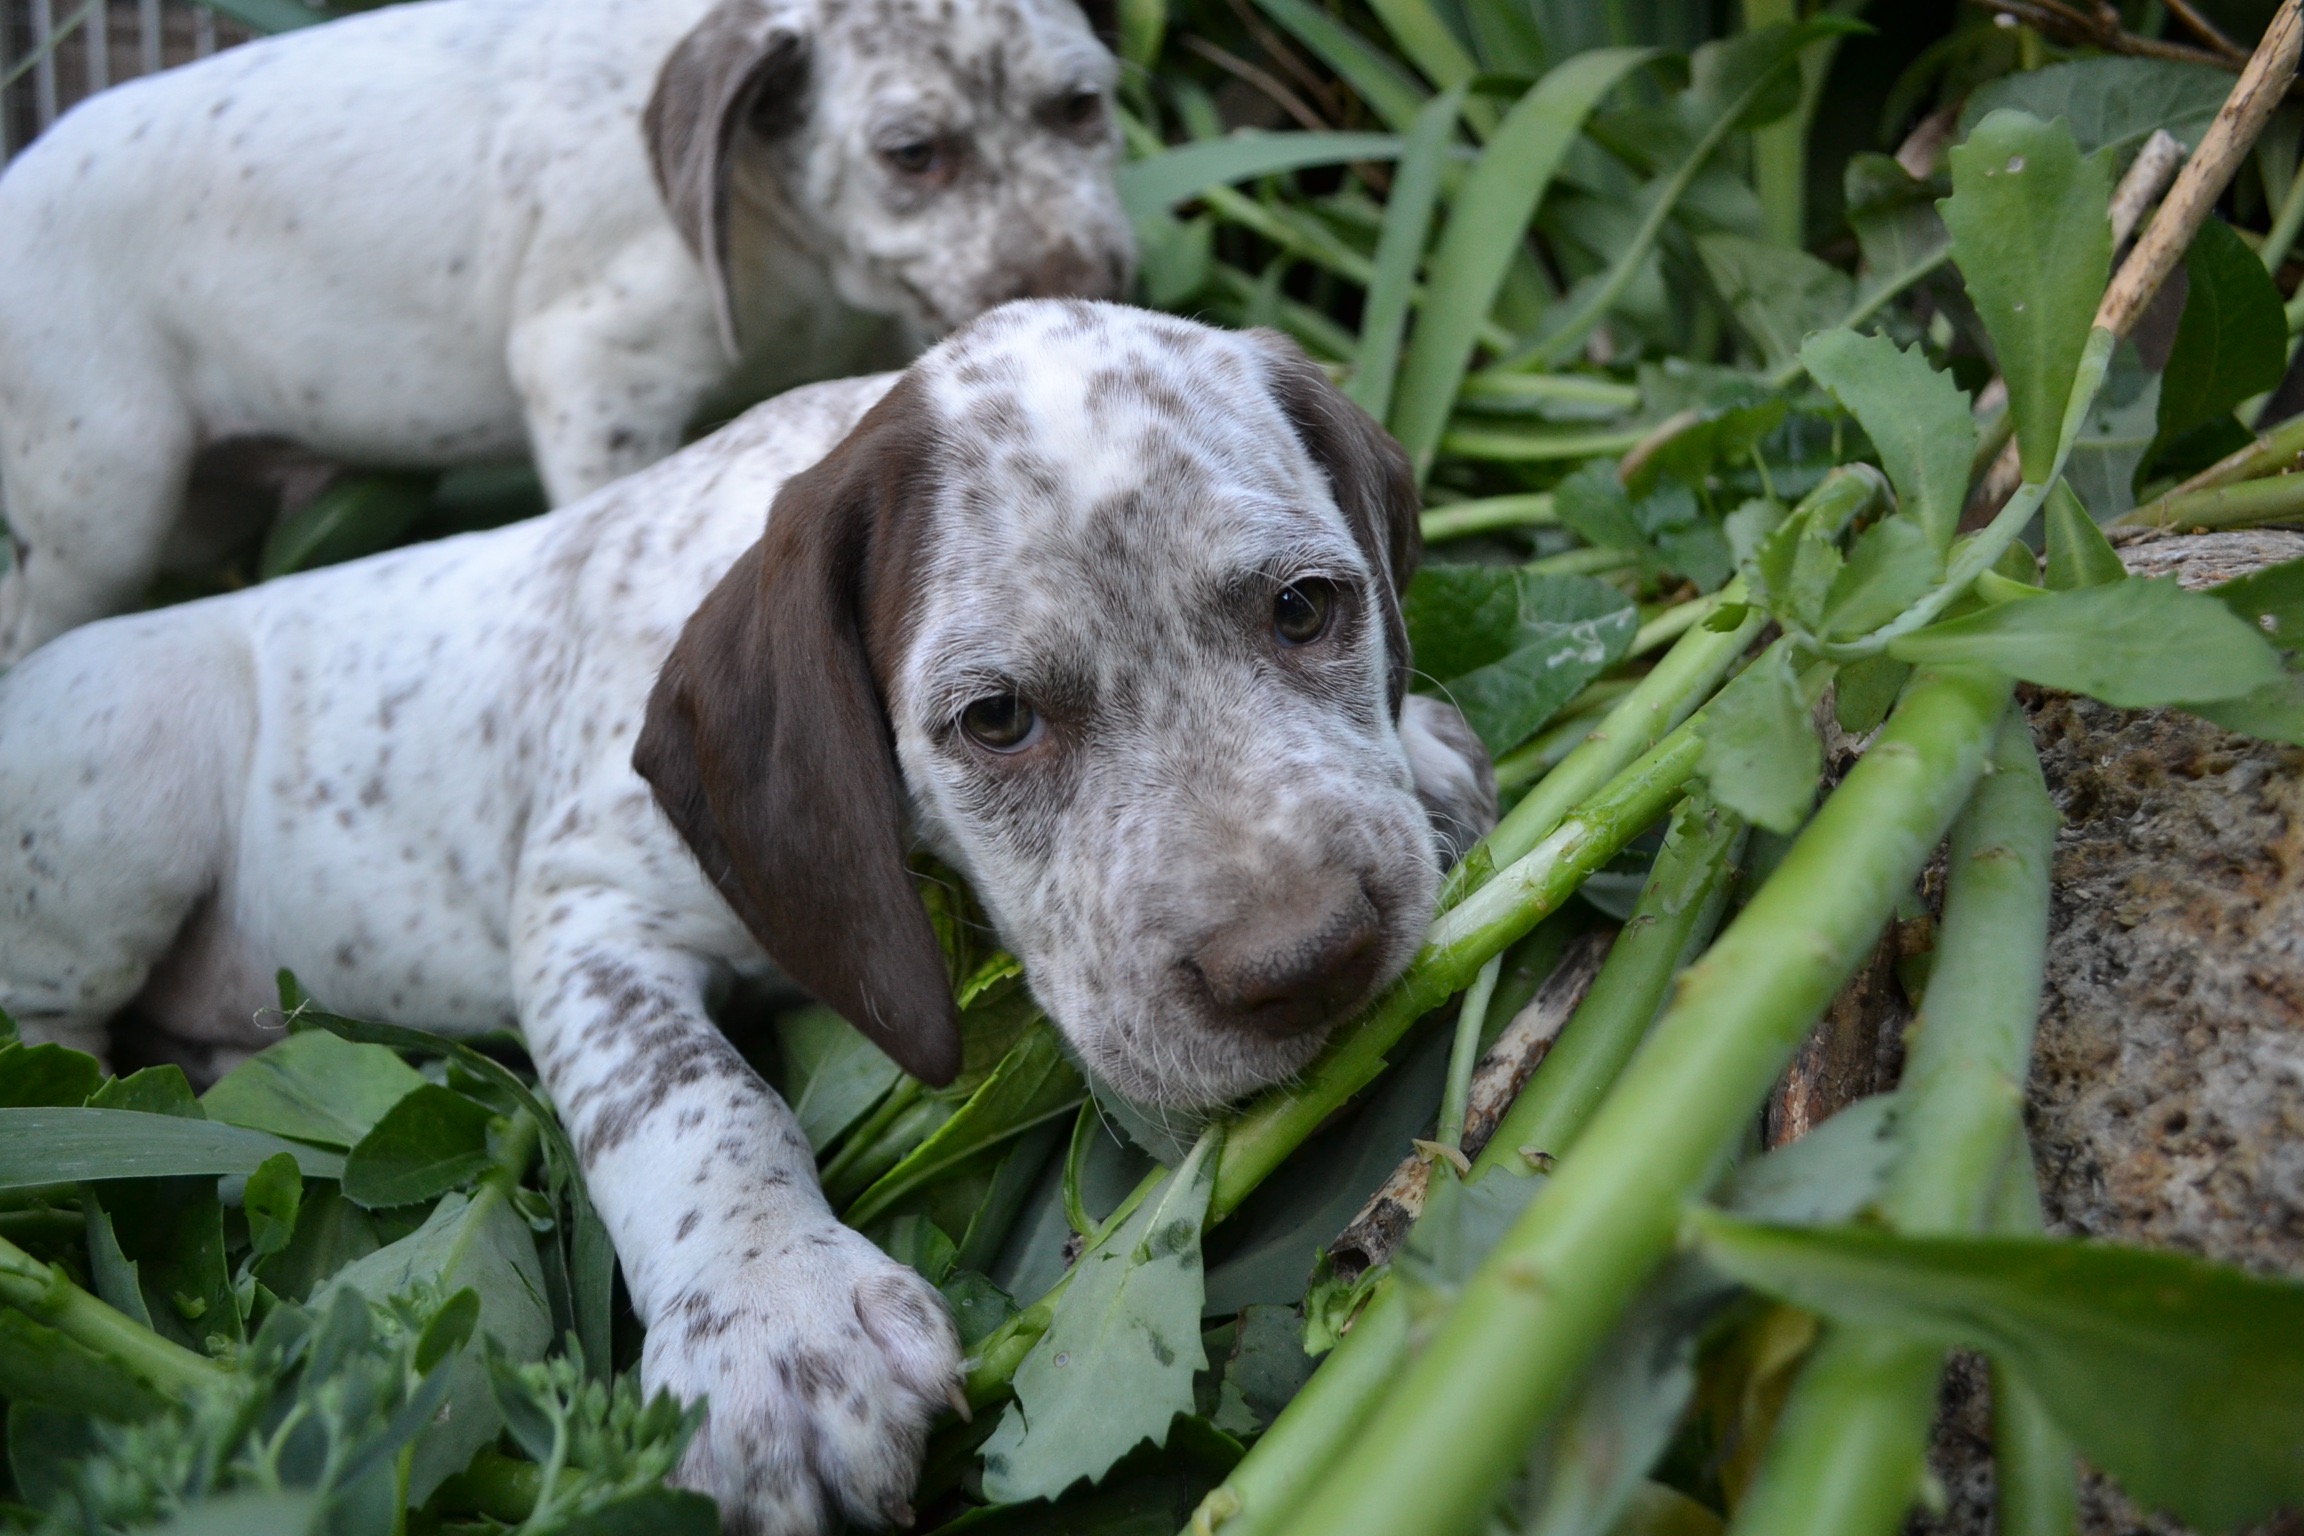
<point>1369,476</point>
<point>767,743</point>
<point>734,66</point>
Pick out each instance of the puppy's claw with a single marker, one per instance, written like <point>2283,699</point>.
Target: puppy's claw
<point>959,1401</point>
<point>900,1514</point>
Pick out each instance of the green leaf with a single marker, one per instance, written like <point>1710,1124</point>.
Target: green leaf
<point>430,1142</point>
<point>1917,418</point>
<point>1400,251</point>
<point>162,1090</point>
<point>113,1276</point>
<point>1487,224</point>
<point>1864,691</point>
<point>2274,712</point>
<point>1776,293</point>
<point>1390,91</point>
<point>56,1146</point>
<point>2272,599</point>
<point>274,1194</point>
<point>1794,568</point>
<point>314,1087</point>
<point>833,1074</point>
<point>1893,214</point>
<point>46,1075</point>
<point>2078,553</point>
<point>1034,1084</point>
<point>1508,646</point>
<point>2109,103</point>
<point>1116,1365</point>
<point>450,1327</point>
<point>649,1512</point>
<point>2232,342</point>
<point>1760,751</point>
<point>1267,1368</point>
<point>1428,41</point>
<point>2136,644</point>
<point>359,515</point>
<point>2184,1380</point>
<point>40,1365</point>
<point>978,1306</point>
<point>1892,565</point>
<point>173,1230</point>
<point>331,1232</point>
<point>2033,237</point>
<point>1159,182</point>
<point>2116,433</point>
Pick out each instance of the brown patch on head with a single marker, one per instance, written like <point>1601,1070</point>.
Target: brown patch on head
<point>767,741</point>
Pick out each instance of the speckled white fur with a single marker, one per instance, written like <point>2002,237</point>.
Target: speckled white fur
<point>432,234</point>
<point>410,780</point>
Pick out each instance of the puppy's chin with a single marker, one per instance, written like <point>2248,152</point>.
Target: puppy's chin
<point>1195,1066</point>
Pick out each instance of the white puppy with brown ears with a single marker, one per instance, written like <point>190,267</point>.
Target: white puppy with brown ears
<point>1100,605</point>
<point>440,233</point>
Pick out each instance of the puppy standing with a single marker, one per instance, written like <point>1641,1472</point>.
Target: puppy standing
<point>1100,606</point>
<point>444,232</point>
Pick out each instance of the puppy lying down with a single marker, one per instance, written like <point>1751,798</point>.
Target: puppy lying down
<point>1098,605</point>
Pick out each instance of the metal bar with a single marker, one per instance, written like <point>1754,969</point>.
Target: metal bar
<point>148,36</point>
<point>44,71</point>
<point>97,37</point>
<point>203,31</point>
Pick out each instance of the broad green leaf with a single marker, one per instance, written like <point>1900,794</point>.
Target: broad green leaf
<point>2116,433</point>
<point>1487,223</point>
<point>59,1146</point>
<point>1035,1083</point>
<point>2033,237</point>
<point>1777,294</point>
<point>1267,1368</point>
<point>314,1087</point>
<point>2274,712</point>
<point>481,1243</point>
<point>1427,39</point>
<point>1174,256</point>
<point>362,514</point>
<point>2136,644</point>
<point>1864,691</point>
<point>162,1090</point>
<point>46,1076</point>
<point>1760,752</point>
<point>1159,182</point>
<point>2271,599</point>
<point>39,1365</point>
<point>1508,646</point>
<point>2232,341</point>
<point>1400,252</point>
<point>112,1275</point>
<point>1893,214</point>
<point>274,1194</point>
<point>1143,26</point>
<point>2078,553</point>
<point>1116,1365</point>
<point>2109,103</point>
<point>172,1231</point>
<point>1892,565</point>
<point>833,1074</point>
<point>978,1306</point>
<point>430,1142</point>
<point>649,1512</point>
<point>1794,568</point>
<point>1724,438</point>
<point>2183,1379</point>
<point>1390,91</point>
<point>1594,505</point>
<point>1917,418</point>
<point>331,1232</point>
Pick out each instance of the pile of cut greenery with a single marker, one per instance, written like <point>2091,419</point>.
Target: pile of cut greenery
<point>1727,434</point>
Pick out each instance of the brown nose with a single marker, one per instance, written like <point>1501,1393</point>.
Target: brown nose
<point>1068,272</point>
<point>1292,966</point>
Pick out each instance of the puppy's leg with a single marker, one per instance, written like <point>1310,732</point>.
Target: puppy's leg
<point>1453,776</point>
<point>123,750</point>
<point>610,373</point>
<point>823,1359</point>
<point>91,487</point>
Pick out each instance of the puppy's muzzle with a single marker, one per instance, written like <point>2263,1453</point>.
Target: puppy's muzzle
<point>1293,963</point>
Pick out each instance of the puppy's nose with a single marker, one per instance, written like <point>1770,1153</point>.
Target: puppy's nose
<point>1068,272</point>
<point>1292,966</point>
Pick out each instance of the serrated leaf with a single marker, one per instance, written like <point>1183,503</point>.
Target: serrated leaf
<point>1760,752</point>
<point>1116,1365</point>
<point>2232,340</point>
<point>430,1142</point>
<point>1795,567</point>
<point>1892,565</point>
<point>1917,418</point>
<point>46,1076</point>
<point>2271,713</point>
<point>2032,233</point>
<point>2137,644</point>
<point>272,1199</point>
<point>1508,647</point>
<point>313,1086</point>
<point>112,1275</point>
<point>1777,294</point>
<point>161,1090</point>
<point>2078,553</point>
<point>2272,599</point>
<point>2110,103</point>
<point>2184,1380</point>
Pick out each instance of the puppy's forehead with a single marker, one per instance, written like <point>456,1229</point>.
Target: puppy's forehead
<point>980,44</point>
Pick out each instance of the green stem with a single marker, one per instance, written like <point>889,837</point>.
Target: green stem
<point>2039,1483</point>
<point>1487,514</point>
<point>1510,1352</point>
<point>1850,1446</point>
<point>1580,562</point>
<point>850,1172</point>
<point>2275,499</point>
<point>2275,452</point>
<point>1464,1052</point>
<point>1500,390</point>
<point>1502,446</point>
<point>1683,679</point>
<point>43,1292</point>
<point>2285,224</point>
<point>1779,150</point>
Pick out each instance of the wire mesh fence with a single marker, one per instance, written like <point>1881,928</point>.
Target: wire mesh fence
<point>56,53</point>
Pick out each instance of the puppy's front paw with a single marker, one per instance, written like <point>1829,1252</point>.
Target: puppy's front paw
<point>824,1362</point>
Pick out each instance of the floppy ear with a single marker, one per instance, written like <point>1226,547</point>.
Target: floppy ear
<point>734,66</point>
<point>1367,473</point>
<point>1103,20</point>
<point>767,743</point>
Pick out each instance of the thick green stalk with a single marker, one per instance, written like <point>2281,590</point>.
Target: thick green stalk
<point>1464,1052</point>
<point>1503,445</point>
<point>1779,150</point>
<point>2274,499</point>
<point>1683,679</point>
<point>1677,908</point>
<point>1849,1449</point>
<point>43,1292</point>
<point>2282,236</point>
<point>1462,518</point>
<point>1529,1320</point>
<point>2275,452</point>
<point>2039,1482</point>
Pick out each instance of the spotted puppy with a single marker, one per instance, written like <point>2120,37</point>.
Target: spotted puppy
<point>435,234</point>
<point>1101,606</point>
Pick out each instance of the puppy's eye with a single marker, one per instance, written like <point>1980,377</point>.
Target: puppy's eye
<point>1300,613</point>
<point>1081,108</point>
<point>1002,723</point>
<point>919,157</point>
